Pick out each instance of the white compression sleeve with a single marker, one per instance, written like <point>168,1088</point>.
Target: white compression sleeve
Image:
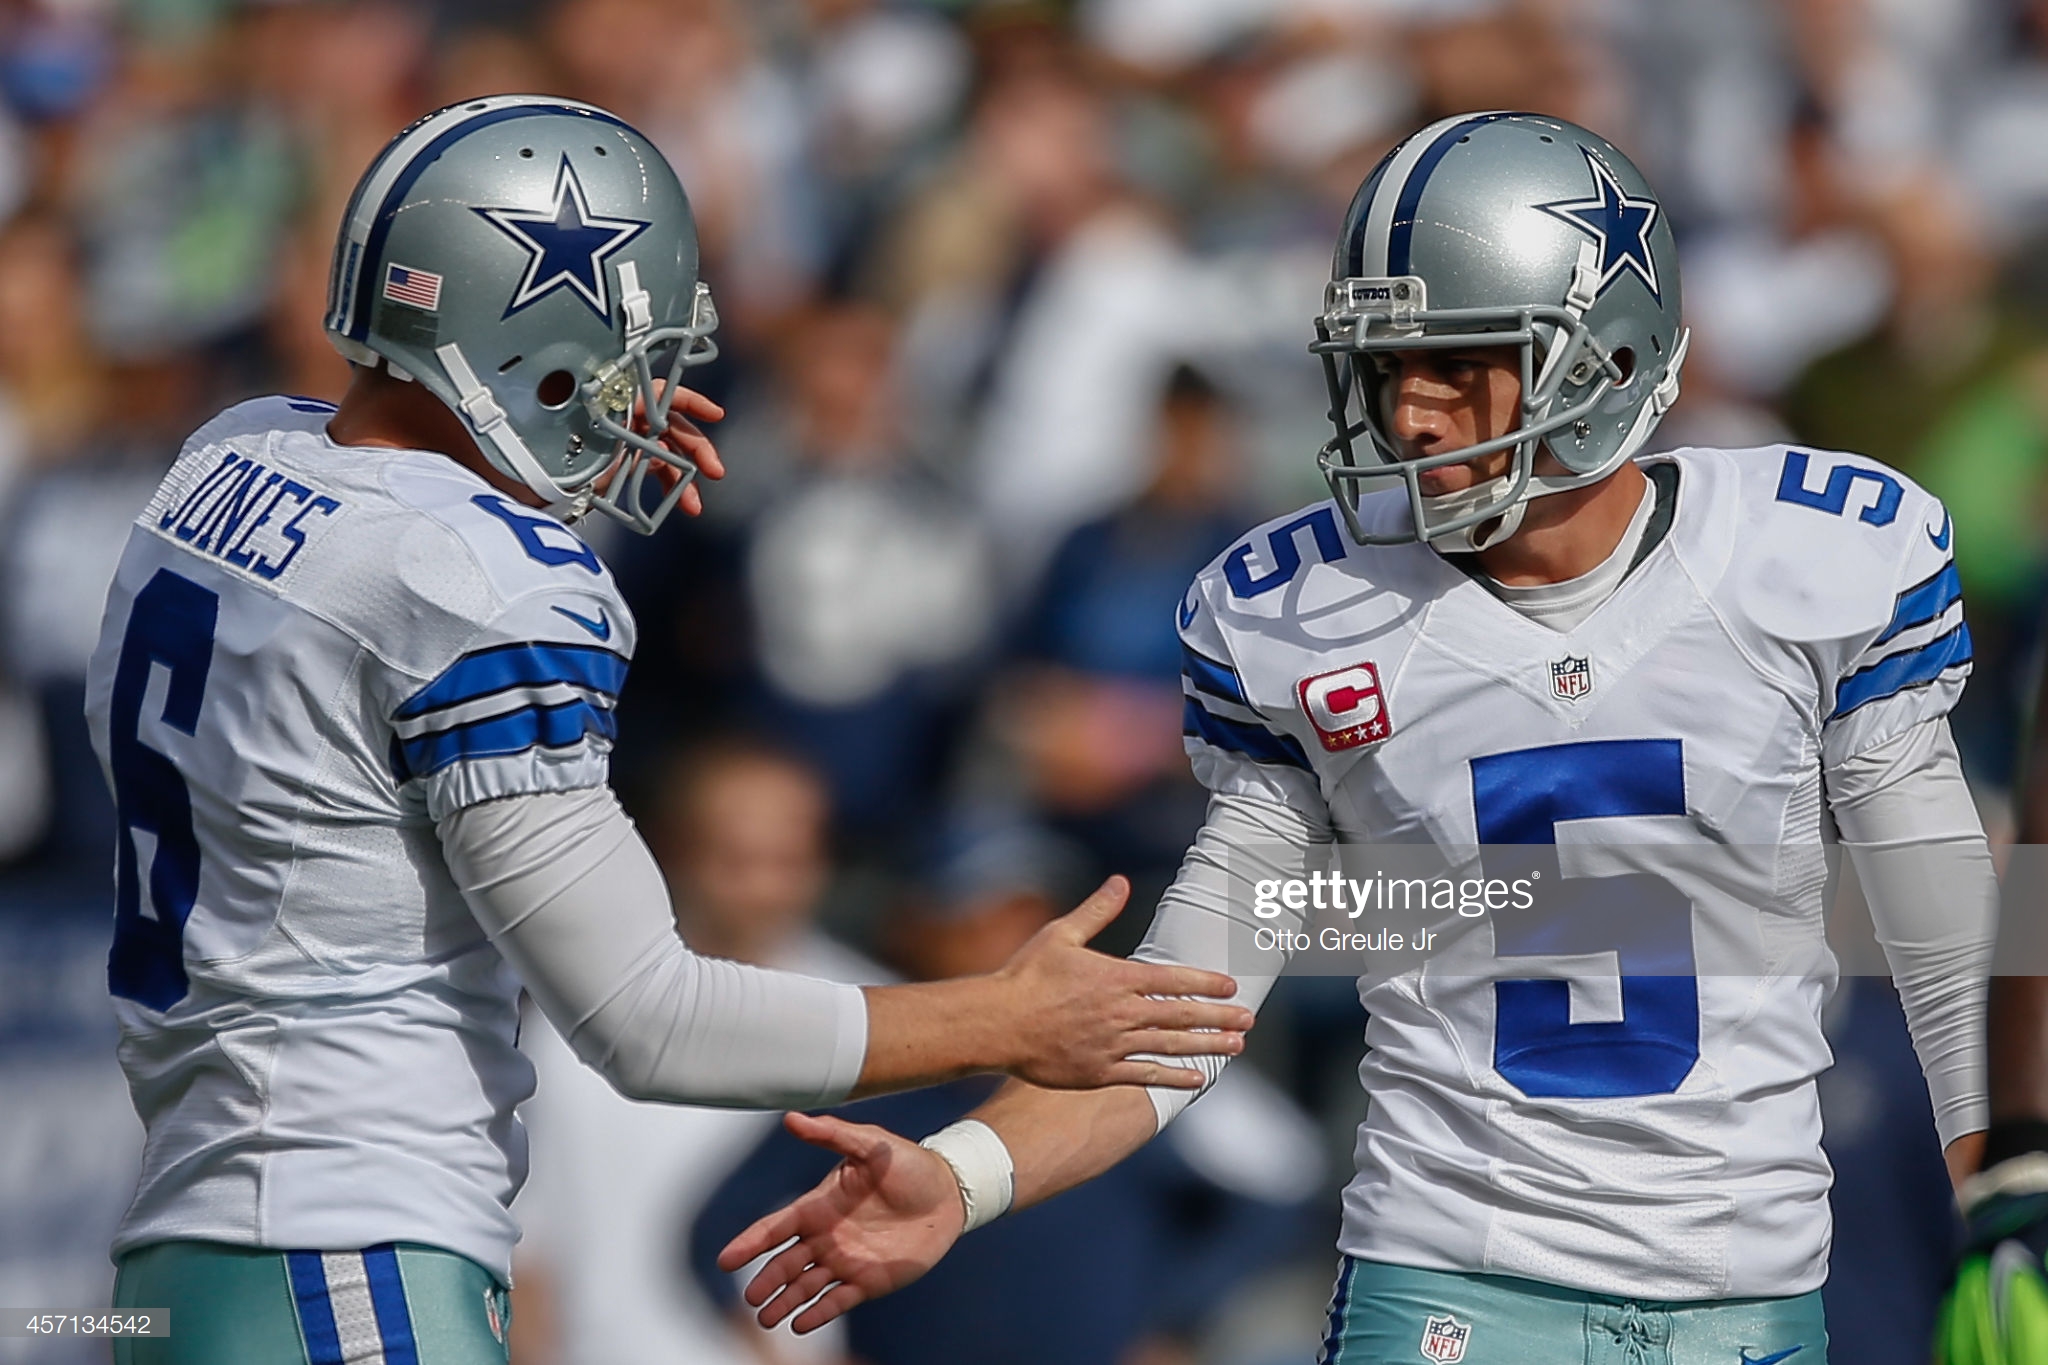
<point>1245,839</point>
<point>564,886</point>
<point>1912,832</point>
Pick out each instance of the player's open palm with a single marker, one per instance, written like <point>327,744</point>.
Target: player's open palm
<point>884,1216</point>
<point>1080,1016</point>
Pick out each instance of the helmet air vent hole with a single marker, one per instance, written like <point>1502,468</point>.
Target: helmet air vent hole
<point>1625,361</point>
<point>1466,138</point>
<point>1657,344</point>
<point>1548,138</point>
<point>474,107</point>
<point>600,151</point>
<point>510,363</point>
<point>526,152</point>
<point>555,389</point>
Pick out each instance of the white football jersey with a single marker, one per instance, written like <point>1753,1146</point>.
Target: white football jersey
<point>1649,1133</point>
<point>310,654</point>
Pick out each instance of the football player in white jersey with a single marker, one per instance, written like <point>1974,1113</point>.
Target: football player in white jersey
<point>1578,1149</point>
<point>354,697</point>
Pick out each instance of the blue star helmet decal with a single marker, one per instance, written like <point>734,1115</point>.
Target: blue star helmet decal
<point>565,245</point>
<point>1619,225</point>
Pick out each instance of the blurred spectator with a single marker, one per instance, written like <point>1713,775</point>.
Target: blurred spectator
<point>740,832</point>
<point>183,193</point>
<point>1126,1268</point>
<point>1767,295</point>
<point>2004,125</point>
<point>1093,711</point>
<point>864,581</point>
<point>879,83</point>
<point>1042,299</point>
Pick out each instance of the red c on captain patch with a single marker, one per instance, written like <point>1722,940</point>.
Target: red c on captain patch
<point>1347,707</point>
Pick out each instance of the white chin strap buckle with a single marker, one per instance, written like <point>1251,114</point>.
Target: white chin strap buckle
<point>1467,539</point>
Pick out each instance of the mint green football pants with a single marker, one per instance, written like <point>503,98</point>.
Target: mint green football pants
<point>396,1304</point>
<point>1394,1315</point>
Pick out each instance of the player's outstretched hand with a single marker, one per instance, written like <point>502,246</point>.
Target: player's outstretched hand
<point>883,1217</point>
<point>688,440</point>
<point>1997,1311</point>
<point>1078,1016</point>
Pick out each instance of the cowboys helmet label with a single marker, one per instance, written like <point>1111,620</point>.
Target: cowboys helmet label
<point>1348,707</point>
<point>1571,678</point>
<point>1444,1338</point>
<point>567,245</point>
<point>1619,226</point>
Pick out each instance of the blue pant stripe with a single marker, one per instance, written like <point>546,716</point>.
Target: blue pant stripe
<point>316,1314</point>
<point>387,1296</point>
<point>1340,1302</point>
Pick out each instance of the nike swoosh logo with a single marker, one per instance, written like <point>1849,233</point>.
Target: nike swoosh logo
<point>1748,1359</point>
<point>1941,541</point>
<point>601,627</point>
<point>1187,610</point>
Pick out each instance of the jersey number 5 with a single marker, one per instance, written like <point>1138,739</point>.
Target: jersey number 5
<point>156,854</point>
<point>1519,798</point>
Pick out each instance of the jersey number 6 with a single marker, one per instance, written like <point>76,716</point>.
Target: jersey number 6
<point>156,856</point>
<point>1519,798</point>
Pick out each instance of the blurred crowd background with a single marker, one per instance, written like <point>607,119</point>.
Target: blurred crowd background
<point>1015,302</point>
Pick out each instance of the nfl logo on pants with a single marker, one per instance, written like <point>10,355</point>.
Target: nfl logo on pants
<point>1444,1338</point>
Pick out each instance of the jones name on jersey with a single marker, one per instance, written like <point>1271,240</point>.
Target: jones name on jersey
<point>1659,1134</point>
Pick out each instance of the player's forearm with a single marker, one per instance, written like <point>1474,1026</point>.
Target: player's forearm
<point>1908,820</point>
<point>1062,1138</point>
<point>935,1031</point>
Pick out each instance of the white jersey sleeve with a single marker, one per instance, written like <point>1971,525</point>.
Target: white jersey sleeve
<point>1267,821</point>
<point>1855,564</point>
<point>521,696</point>
<point>1238,746</point>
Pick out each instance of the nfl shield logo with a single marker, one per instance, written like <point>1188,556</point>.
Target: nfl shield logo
<point>1444,1338</point>
<point>1571,678</point>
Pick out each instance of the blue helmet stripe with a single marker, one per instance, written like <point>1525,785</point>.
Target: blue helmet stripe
<point>373,248</point>
<point>1403,226</point>
<point>1351,249</point>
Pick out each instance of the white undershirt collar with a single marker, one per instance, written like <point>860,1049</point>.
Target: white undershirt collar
<point>1564,606</point>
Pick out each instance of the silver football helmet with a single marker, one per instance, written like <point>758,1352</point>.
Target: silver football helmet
<point>533,262</point>
<point>1501,229</point>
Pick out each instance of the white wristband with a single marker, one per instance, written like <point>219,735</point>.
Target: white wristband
<point>981,1167</point>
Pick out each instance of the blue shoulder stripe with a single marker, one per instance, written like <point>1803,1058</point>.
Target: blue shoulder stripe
<point>1217,679</point>
<point>1910,668</point>
<point>1923,602</point>
<point>523,665</point>
<point>1254,742</point>
<point>531,727</point>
